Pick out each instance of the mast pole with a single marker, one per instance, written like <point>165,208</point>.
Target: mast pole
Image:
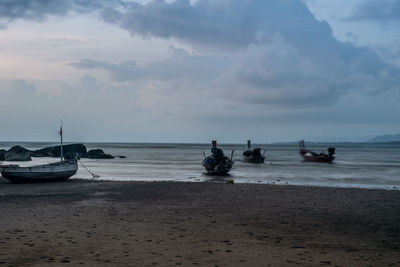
<point>61,147</point>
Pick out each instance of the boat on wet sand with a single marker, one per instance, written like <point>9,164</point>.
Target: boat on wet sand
<point>311,156</point>
<point>52,172</point>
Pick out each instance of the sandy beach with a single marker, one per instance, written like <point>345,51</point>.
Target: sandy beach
<point>108,223</point>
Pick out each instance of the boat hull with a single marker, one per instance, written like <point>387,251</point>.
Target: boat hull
<point>254,159</point>
<point>315,157</point>
<point>37,177</point>
<point>54,172</point>
<point>218,172</point>
<point>253,156</point>
<point>220,169</point>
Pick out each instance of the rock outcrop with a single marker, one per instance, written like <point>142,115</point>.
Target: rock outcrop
<point>14,156</point>
<point>16,153</point>
<point>2,152</point>
<point>19,153</point>
<point>55,151</point>
<point>18,149</point>
<point>98,154</point>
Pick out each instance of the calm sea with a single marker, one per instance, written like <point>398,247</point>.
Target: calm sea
<point>356,165</point>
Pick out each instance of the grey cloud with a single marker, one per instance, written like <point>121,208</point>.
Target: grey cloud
<point>127,71</point>
<point>227,23</point>
<point>378,10</point>
<point>255,54</point>
<point>38,9</point>
<point>235,24</point>
<point>180,66</point>
<point>238,24</point>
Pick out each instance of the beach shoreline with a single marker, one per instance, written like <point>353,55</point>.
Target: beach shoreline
<point>111,223</point>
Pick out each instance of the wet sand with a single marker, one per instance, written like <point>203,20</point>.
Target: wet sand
<point>209,224</point>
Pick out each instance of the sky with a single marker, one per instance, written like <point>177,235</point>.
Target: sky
<point>194,71</point>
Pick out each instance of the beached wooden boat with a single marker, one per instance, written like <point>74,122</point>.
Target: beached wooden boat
<point>52,172</point>
<point>217,163</point>
<point>311,156</point>
<point>253,155</point>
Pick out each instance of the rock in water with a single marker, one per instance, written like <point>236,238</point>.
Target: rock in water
<point>2,152</point>
<point>71,155</point>
<point>19,149</point>
<point>13,156</point>
<point>98,154</point>
<point>55,151</point>
<point>17,153</point>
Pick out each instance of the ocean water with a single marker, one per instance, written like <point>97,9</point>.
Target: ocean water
<point>356,165</point>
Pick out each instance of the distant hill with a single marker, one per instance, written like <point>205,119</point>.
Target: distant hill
<point>385,138</point>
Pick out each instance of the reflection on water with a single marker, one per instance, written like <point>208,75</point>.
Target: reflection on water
<point>357,165</point>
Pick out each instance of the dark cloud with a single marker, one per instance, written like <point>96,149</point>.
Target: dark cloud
<point>38,9</point>
<point>239,24</point>
<point>255,52</point>
<point>378,10</point>
<point>223,23</point>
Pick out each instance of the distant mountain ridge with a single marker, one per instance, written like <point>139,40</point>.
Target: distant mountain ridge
<point>385,138</point>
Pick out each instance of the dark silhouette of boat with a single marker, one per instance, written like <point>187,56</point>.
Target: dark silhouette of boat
<point>217,163</point>
<point>311,156</point>
<point>52,172</point>
<point>253,155</point>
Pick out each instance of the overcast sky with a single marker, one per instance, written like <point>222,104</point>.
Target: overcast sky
<point>192,71</point>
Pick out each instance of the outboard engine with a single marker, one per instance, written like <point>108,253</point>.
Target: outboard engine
<point>257,151</point>
<point>331,151</point>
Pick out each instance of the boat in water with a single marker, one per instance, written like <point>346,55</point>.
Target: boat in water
<point>253,155</point>
<point>217,163</point>
<point>52,172</point>
<point>311,156</point>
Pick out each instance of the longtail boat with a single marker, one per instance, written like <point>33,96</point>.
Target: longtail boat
<point>217,163</point>
<point>311,156</point>
<point>253,155</point>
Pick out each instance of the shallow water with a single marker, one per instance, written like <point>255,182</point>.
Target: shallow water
<point>356,165</point>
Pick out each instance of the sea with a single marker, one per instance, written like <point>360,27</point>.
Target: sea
<point>361,165</point>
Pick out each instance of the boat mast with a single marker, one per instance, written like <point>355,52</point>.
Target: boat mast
<point>61,147</point>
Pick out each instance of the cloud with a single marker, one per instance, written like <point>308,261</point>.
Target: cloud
<point>39,9</point>
<point>378,10</point>
<point>23,87</point>
<point>88,107</point>
<point>276,51</point>
<point>244,63</point>
<point>228,23</point>
<point>234,24</point>
<point>251,62</point>
<point>180,66</point>
<point>239,24</point>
